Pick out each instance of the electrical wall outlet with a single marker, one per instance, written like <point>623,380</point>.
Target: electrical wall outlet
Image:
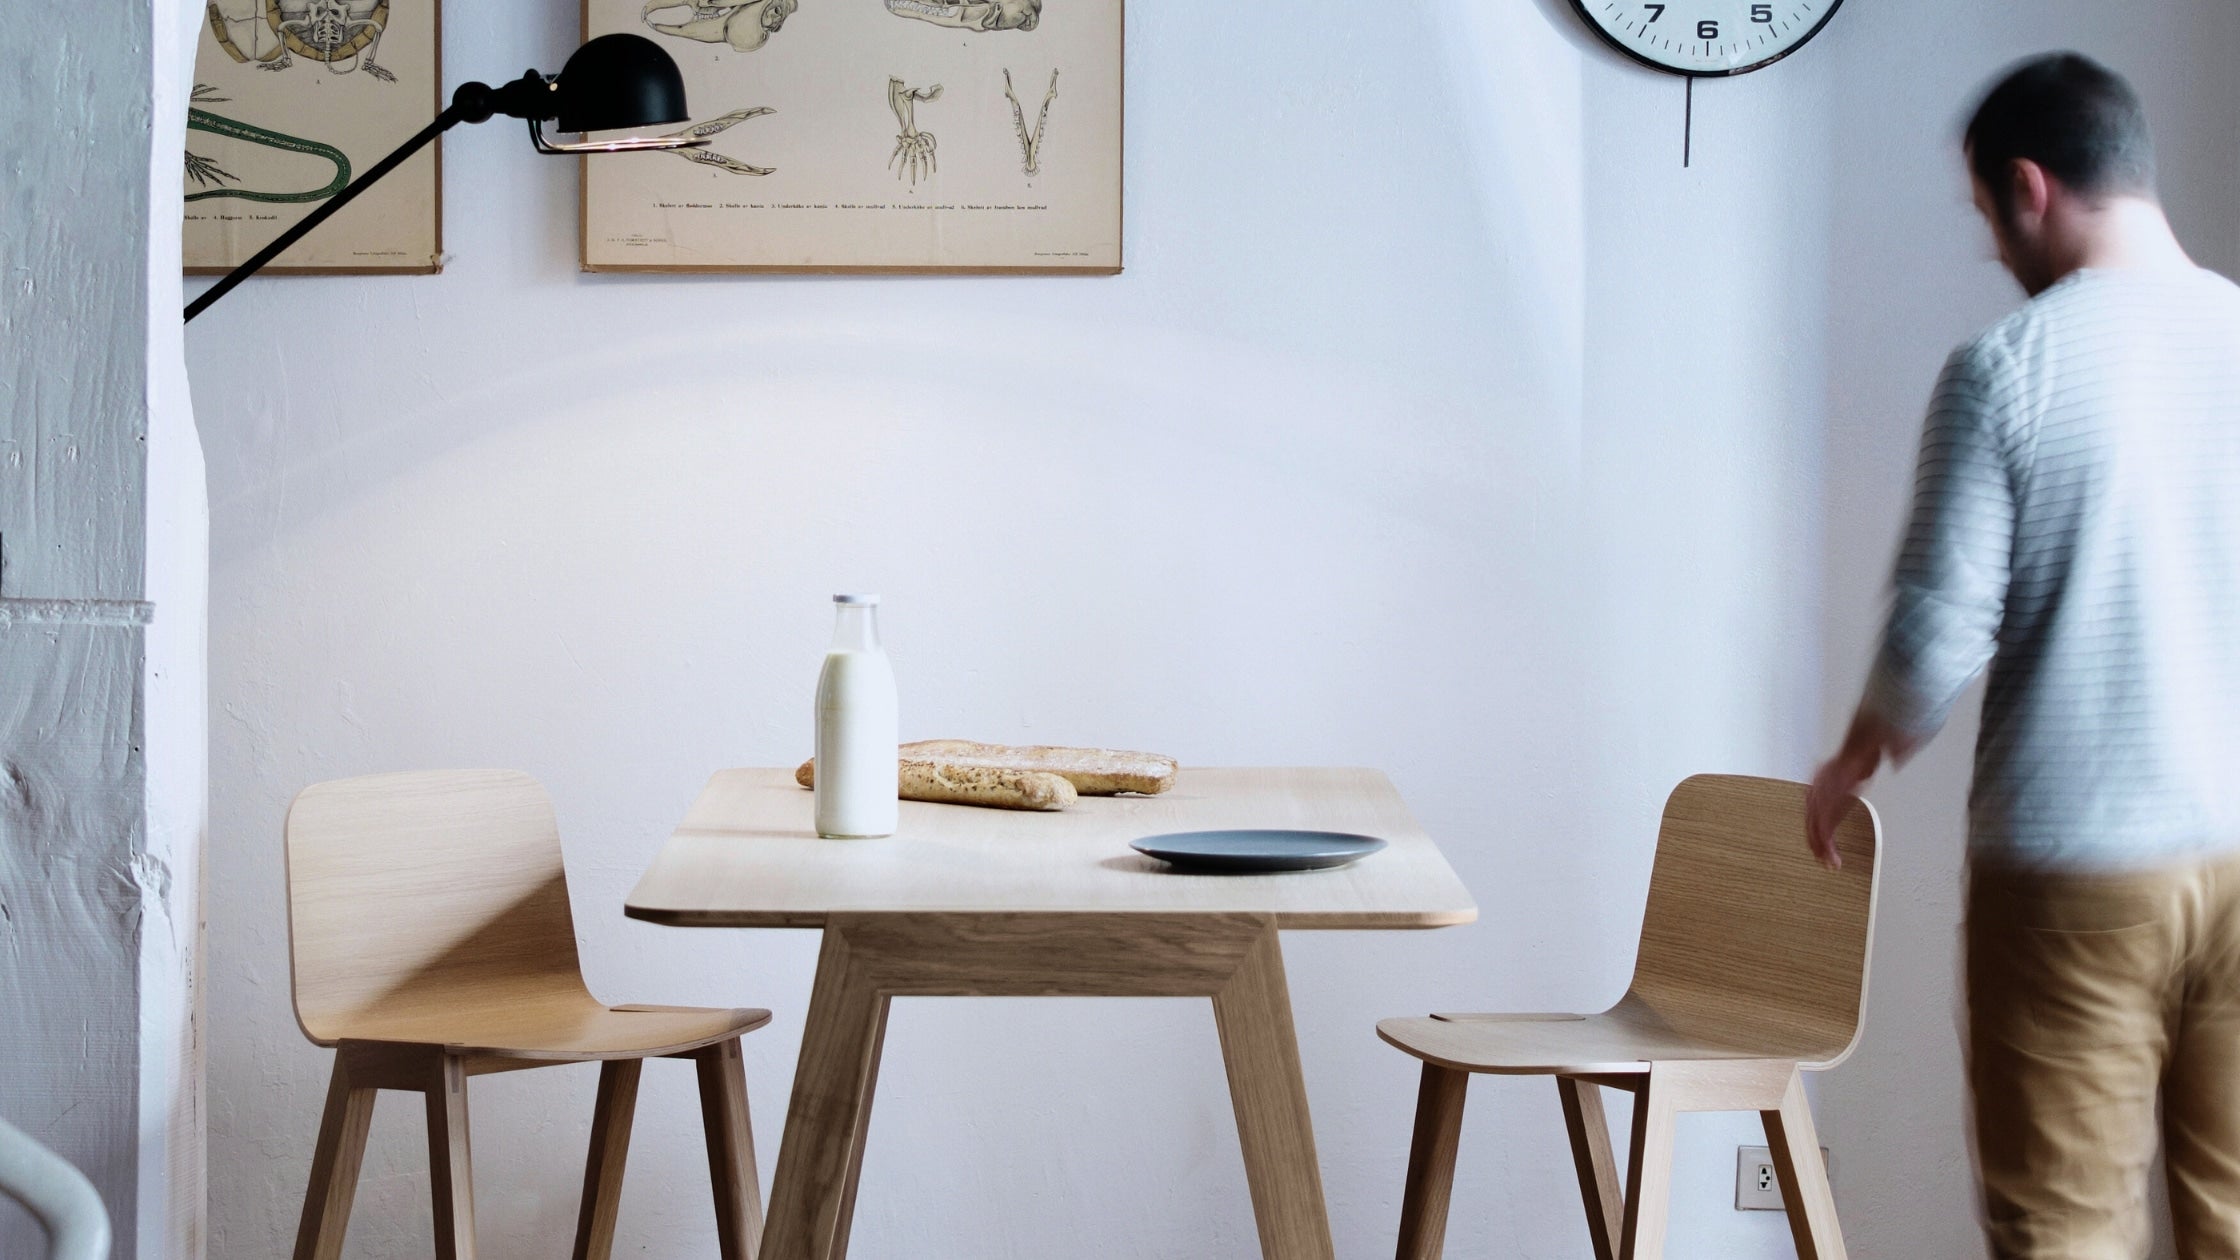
<point>1757,1188</point>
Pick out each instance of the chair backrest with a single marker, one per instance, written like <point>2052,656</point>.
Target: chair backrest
<point>1748,941</point>
<point>410,895</point>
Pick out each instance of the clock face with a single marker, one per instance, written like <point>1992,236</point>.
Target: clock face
<point>1706,37</point>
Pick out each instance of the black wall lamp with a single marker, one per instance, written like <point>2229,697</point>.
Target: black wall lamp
<point>613,83</point>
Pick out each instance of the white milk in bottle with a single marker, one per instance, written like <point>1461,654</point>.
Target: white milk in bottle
<point>857,727</point>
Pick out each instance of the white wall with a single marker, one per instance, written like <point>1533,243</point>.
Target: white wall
<point>102,726</point>
<point>1440,422</point>
<point>1334,423</point>
<point>1913,277</point>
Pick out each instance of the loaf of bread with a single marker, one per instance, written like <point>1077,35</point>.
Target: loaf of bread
<point>990,787</point>
<point>1091,771</point>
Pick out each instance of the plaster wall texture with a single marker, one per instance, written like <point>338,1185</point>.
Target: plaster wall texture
<point>101,622</point>
<point>1440,422</point>
<point>1915,276</point>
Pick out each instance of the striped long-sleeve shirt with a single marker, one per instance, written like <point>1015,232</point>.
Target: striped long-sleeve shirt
<point>2076,527</point>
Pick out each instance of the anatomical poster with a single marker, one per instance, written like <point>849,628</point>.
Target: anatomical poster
<point>871,135</point>
<point>294,98</point>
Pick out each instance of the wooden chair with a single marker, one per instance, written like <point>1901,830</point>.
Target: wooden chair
<point>430,941</point>
<point>1752,968</point>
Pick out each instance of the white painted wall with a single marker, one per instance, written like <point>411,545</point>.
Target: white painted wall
<point>102,616</point>
<point>1324,432</point>
<point>1440,422</point>
<point>1914,276</point>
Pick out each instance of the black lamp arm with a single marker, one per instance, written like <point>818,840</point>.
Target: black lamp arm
<point>526,97</point>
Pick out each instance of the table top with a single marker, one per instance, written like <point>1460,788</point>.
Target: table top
<point>747,855</point>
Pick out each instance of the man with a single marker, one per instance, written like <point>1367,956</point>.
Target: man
<point>2076,527</point>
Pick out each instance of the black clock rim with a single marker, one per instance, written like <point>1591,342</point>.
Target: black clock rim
<point>1580,7</point>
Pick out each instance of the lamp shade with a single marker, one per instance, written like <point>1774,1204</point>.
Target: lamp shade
<point>617,83</point>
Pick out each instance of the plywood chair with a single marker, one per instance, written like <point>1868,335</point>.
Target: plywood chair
<point>431,941</point>
<point>1752,968</point>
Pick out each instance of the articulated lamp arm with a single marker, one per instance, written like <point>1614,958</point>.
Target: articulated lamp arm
<point>614,82</point>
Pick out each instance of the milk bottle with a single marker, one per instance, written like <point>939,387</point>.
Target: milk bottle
<point>857,728</point>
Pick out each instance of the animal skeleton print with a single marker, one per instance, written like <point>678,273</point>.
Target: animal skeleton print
<point>1030,144</point>
<point>340,34</point>
<point>913,149</point>
<point>745,24</point>
<point>972,15</point>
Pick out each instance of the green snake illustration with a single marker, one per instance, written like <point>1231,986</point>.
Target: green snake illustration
<point>202,120</point>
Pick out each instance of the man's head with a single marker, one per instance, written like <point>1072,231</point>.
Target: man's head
<point>2057,140</point>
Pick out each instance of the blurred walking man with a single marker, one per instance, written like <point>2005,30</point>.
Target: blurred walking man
<point>2076,528</point>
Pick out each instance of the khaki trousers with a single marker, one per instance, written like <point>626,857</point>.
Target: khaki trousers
<point>2089,995</point>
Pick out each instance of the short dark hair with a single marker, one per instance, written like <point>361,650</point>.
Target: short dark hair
<point>2069,114</point>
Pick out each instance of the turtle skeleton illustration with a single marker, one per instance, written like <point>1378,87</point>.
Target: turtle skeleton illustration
<point>744,24</point>
<point>913,149</point>
<point>329,32</point>
<point>342,35</point>
<point>716,126</point>
<point>1030,146</point>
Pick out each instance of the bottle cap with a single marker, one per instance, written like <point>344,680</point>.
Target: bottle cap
<point>855,599</point>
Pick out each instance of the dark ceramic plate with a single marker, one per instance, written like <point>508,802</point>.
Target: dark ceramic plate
<point>1246,851</point>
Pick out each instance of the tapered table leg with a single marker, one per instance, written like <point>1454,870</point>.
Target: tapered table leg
<point>870,958</point>
<point>822,1150</point>
<point>1269,1092</point>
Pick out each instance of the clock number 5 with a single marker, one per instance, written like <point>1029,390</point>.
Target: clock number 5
<point>1762,13</point>
<point>1707,29</point>
<point>1655,11</point>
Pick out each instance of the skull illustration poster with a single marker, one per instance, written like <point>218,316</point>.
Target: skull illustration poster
<point>871,135</point>
<point>292,99</point>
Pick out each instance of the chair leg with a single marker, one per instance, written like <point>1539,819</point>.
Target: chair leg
<point>1430,1184</point>
<point>334,1167</point>
<point>1649,1172</point>
<point>723,1113</point>
<point>1598,1166</point>
<point>610,1149</point>
<point>450,1166</point>
<point>1804,1177</point>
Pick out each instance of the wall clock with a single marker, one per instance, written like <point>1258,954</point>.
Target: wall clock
<point>1701,38</point>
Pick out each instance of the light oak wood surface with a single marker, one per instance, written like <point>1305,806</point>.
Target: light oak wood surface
<point>965,903</point>
<point>1752,969</point>
<point>868,960</point>
<point>747,855</point>
<point>431,941</point>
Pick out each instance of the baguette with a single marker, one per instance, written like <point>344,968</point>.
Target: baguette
<point>990,787</point>
<point>1092,771</point>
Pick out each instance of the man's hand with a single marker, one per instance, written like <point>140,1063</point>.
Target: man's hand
<point>1869,741</point>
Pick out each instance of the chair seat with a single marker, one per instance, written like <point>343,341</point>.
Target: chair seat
<point>563,1031</point>
<point>1622,1041</point>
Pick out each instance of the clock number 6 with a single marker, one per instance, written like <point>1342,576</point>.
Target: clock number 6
<point>1707,29</point>
<point>1762,13</point>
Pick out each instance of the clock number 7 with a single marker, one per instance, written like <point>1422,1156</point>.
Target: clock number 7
<point>1655,11</point>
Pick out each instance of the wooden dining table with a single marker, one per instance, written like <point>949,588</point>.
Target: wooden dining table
<point>964,902</point>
